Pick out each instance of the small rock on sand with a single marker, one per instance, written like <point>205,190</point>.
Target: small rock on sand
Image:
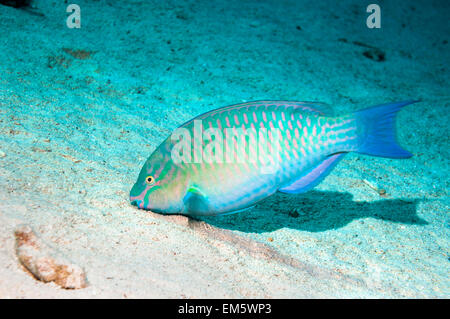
<point>44,263</point>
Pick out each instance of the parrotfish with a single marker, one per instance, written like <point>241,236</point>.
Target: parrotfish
<point>289,147</point>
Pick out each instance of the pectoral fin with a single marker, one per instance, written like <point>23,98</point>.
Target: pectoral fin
<point>195,201</point>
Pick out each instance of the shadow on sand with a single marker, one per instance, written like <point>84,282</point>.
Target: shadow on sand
<point>315,211</point>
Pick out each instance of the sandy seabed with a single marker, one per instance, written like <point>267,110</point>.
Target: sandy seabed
<point>82,109</point>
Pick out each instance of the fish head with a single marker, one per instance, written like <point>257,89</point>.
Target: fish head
<point>159,185</point>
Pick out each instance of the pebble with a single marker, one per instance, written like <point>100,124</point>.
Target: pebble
<point>44,263</point>
<point>375,54</point>
<point>2,154</point>
<point>294,213</point>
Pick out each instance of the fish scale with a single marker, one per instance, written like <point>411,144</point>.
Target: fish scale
<point>311,142</point>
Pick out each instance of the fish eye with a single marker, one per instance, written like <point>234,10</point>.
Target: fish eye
<point>150,180</point>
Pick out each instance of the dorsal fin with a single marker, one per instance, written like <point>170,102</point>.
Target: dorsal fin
<point>320,108</point>
<point>313,107</point>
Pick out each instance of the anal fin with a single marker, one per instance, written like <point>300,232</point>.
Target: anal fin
<point>238,211</point>
<point>312,178</point>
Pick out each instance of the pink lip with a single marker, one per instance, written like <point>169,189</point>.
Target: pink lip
<point>140,198</point>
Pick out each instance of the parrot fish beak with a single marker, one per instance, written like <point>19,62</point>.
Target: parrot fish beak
<point>137,202</point>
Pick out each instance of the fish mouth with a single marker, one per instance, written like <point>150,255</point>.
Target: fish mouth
<point>138,199</point>
<point>137,202</point>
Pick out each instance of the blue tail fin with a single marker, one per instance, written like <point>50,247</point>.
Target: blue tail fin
<point>377,129</point>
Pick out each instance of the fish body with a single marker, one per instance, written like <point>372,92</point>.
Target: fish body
<point>228,159</point>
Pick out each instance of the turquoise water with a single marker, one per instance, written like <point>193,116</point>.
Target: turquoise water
<point>82,109</point>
